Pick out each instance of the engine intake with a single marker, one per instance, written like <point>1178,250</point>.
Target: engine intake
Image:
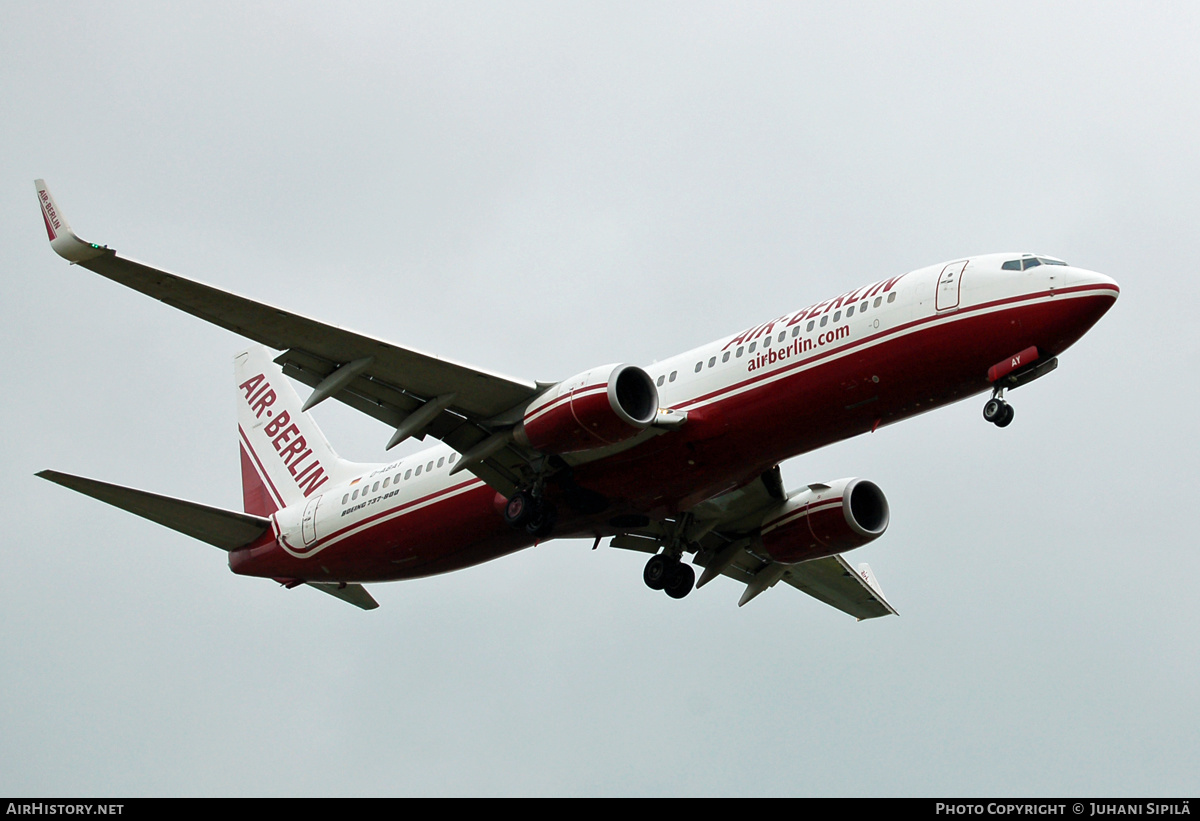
<point>603,406</point>
<point>825,519</point>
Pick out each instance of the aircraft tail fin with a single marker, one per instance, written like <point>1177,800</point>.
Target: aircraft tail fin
<point>285,457</point>
<point>225,529</point>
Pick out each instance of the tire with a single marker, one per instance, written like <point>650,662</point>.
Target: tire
<point>541,521</point>
<point>518,508</point>
<point>655,574</point>
<point>680,580</point>
<point>1006,420</point>
<point>993,411</point>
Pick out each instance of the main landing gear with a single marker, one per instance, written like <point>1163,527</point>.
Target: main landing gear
<point>997,411</point>
<point>532,512</point>
<point>669,574</point>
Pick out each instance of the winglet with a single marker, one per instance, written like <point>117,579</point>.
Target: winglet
<point>867,575</point>
<point>62,239</point>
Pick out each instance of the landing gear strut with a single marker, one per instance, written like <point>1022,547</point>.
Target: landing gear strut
<point>997,411</point>
<point>669,575</point>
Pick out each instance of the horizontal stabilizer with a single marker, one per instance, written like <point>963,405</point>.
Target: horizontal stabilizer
<point>225,529</point>
<point>356,594</point>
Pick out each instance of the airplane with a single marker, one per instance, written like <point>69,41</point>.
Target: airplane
<point>676,459</point>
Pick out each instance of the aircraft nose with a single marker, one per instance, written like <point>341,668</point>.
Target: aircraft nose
<point>1091,280</point>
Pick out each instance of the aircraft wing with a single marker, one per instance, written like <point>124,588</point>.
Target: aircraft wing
<point>724,528</point>
<point>447,400</point>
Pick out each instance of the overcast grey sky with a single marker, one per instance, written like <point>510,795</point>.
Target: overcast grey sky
<point>538,188</point>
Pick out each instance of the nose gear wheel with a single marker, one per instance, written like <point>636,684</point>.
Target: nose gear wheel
<point>997,411</point>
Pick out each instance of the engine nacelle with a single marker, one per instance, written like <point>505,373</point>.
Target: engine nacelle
<point>599,407</point>
<point>825,519</point>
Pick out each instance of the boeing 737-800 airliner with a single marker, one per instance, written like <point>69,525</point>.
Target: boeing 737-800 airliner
<point>676,459</point>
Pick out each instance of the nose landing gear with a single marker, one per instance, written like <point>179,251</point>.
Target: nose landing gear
<point>997,411</point>
<point>1019,369</point>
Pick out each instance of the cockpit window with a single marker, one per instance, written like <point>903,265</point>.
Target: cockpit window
<point>1025,263</point>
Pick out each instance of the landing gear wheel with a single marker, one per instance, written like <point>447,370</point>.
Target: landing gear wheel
<point>1006,420</point>
<point>680,580</point>
<point>541,521</point>
<point>995,410</point>
<point>518,508</point>
<point>655,574</point>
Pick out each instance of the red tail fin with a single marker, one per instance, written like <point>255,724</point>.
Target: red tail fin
<point>256,498</point>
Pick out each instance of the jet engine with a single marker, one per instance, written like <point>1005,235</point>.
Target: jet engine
<point>824,519</point>
<point>602,406</point>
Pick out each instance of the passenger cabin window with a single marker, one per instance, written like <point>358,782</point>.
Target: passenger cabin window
<point>878,301</point>
<point>673,374</point>
<point>810,324</point>
<point>892,296</point>
<point>699,365</point>
<point>740,350</point>
<point>752,346</point>
<point>837,316</point>
<point>782,334</point>
<point>725,356</point>
<point>662,379</point>
<point>850,312</point>
<point>712,362</point>
<point>824,320</point>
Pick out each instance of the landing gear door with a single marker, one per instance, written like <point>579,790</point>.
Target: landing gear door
<point>950,285</point>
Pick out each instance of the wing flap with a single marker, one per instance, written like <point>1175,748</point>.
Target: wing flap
<point>226,529</point>
<point>833,581</point>
<point>355,594</point>
<point>391,405</point>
